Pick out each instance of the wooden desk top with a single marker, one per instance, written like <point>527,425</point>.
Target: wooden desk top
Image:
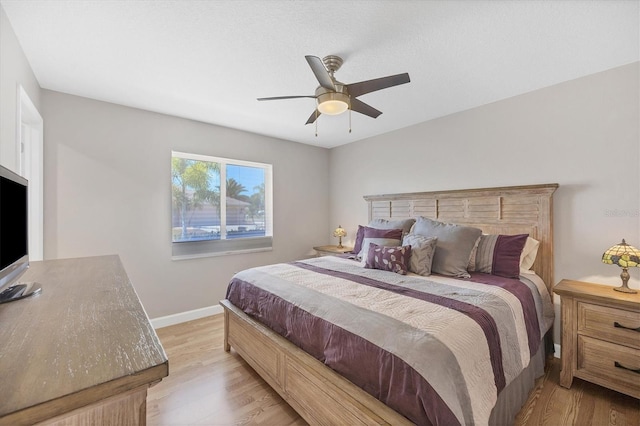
<point>84,338</point>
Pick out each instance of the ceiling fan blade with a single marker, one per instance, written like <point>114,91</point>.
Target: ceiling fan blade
<point>368,86</point>
<point>285,97</point>
<point>358,106</point>
<point>313,116</point>
<point>321,73</point>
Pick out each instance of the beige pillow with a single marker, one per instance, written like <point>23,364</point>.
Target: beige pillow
<point>529,253</point>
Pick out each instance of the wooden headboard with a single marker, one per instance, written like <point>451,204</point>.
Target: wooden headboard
<point>503,210</point>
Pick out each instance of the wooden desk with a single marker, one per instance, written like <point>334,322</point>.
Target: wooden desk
<point>82,351</point>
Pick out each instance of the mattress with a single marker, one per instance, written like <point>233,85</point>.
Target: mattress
<point>438,350</point>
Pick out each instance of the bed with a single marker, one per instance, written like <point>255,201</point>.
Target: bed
<point>482,361</point>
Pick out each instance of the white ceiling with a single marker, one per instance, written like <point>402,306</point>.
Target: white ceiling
<point>210,60</point>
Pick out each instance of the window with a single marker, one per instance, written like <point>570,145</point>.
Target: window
<point>208,218</point>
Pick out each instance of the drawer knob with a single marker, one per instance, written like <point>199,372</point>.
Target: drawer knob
<point>618,365</point>
<point>616,324</point>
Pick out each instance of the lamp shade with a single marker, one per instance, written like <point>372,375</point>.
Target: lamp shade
<point>340,232</point>
<point>625,256</point>
<point>333,103</point>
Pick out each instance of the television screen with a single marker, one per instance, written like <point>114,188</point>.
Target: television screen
<point>13,222</point>
<point>14,234</point>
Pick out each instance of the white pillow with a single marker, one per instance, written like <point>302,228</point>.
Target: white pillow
<point>529,253</point>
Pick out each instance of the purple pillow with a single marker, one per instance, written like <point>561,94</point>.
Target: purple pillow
<point>368,232</point>
<point>394,259</point>
<point>500,254</point>
<point>357,245</point>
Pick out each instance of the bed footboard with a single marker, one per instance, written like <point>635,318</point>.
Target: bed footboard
<point>316,392</point>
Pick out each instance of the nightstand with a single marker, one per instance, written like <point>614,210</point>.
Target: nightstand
<point>331,250</point>
<point>600,336</point>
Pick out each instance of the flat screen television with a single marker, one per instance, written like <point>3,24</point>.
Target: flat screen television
<point>14,236</point>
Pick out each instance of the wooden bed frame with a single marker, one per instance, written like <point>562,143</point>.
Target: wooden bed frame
<point>316,392</point>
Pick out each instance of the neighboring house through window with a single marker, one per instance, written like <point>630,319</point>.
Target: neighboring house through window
<point>209,218</point>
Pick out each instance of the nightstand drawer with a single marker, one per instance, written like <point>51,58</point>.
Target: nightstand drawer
<point>609,365</point>
<point>611,324</point>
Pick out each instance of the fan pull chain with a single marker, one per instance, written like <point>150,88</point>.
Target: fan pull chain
<point>349,120</point>
<point>316,122</point>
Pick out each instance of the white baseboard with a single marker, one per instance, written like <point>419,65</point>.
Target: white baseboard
<point>556,350</point>
<point>185,316</point>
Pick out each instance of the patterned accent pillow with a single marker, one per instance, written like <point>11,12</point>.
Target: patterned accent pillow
<point>422,250</point>
<point>500,254</point>
<point>382,237</point>
<point>394,259</point>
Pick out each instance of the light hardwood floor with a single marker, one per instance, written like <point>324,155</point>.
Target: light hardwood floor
<point>207,386</point>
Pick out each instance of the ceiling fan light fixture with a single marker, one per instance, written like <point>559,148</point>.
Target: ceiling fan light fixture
<point>334,97</point>
<point>333,103</point>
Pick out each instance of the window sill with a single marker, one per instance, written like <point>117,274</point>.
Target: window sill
<point>220,253</point>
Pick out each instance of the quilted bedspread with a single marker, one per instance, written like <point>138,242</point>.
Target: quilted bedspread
<point>436,349</point>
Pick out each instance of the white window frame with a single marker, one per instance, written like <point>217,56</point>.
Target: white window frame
<point>223,246</point>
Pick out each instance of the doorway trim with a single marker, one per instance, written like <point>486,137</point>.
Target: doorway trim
<point>30,161</point>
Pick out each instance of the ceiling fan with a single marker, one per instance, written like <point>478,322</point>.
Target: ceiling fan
<point>334,97</point>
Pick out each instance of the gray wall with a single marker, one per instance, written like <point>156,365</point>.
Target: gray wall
<point>14,70</point>
<point>583,134</point>
<point>107,174</point>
